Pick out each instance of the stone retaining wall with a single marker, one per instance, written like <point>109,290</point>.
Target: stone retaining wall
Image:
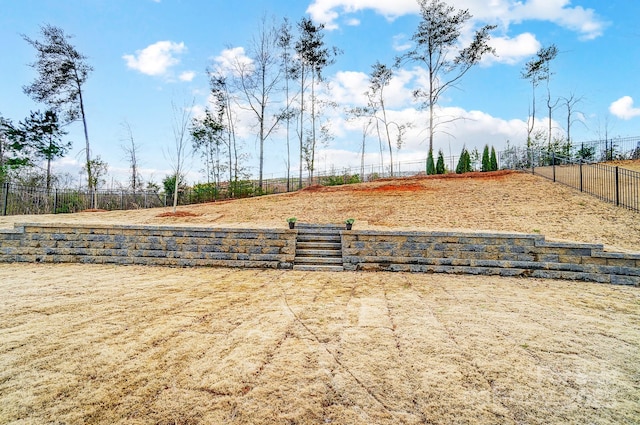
<point>148,245</point>
<point>486,254</point>
<point>422,252</point>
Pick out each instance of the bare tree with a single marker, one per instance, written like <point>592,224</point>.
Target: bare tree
<point>285,40</point>
<point>131,150</point>
<point>437,48</point>
<point>570,103</point>
<point>537,70</point>
<point>258,80</point>
<point>312,58</point>
<point>366,117</point>
<point>62,72</point>
<point>208,135</point>
<point>180,151</point>
<point>379,79</point>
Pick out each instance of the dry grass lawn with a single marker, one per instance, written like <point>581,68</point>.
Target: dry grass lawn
<point>134,345</point>
<point>142,345</point>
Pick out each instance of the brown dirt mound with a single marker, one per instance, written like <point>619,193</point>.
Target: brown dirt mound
<point>314,188</point>
<point>408,187</point>
<point>178,214</point>
<point>477,175</point>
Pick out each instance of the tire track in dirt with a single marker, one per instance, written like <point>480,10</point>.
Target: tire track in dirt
<point>489,382</point>
<point>559,367</point>
<point>335,357</point>
<point>323,343</point>
<point>404,360</point>
<point>473,380</point>
<point>170,346</point>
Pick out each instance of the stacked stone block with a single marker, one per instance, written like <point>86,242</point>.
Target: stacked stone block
<point>487,254</point>
<point>148,245</point>
<point>422,252</point>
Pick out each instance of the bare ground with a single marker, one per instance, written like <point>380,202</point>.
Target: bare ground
<point>153,345</point>
<point>136,345</point>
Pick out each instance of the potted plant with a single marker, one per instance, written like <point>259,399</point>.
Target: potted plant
<point>349,222</point>
<point>292,222</point>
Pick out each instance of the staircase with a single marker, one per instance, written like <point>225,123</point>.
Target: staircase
<point>318,248</point>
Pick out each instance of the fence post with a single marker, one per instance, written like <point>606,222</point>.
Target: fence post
<point>55,201</point>
<point>5,186</point>
<point>553,162</point>
<point>617,187</point>
<point>581,176</point>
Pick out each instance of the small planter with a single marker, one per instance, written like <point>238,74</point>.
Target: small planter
<point>349,226</point>
<point>292,224</point>
<point>349,223</point>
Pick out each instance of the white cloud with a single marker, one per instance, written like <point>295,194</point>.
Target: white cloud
<point>156,59</point>
<point>623,108</point>
<point>327,11</point>
<point>400,44</point>
<point>512,50</point>
<point>348,88</point>
<point>578,19</point>
<point>231,60</point>
<point>187,76</point>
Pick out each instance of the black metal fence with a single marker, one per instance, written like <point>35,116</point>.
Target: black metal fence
<point>614,184</point>
<point>522,157</point>
<point>17,199</point>
<point>576,168</point>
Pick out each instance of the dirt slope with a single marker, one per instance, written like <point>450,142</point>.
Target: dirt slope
<point>501,201</point>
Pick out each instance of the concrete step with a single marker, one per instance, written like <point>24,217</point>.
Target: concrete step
<point>318,248</point>
<point>317,268</point>
<point>317,260</point>
<point>319,245</point>
<point>307,226</point>
<point>318,253</point>
<point>328,237</point>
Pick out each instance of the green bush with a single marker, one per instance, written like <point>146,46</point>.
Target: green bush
<point>69,202</point>
<point>242,189</point>
<point>204,192</point>
<point>340,180</point>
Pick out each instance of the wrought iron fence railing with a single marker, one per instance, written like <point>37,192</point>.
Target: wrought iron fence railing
<point>614,184</point>
<point>576,168</point>
<point>19,199</point>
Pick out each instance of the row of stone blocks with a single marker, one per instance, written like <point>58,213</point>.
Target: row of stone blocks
<point>421,252</point>
<point>148,245</point>
<point>487,254</point>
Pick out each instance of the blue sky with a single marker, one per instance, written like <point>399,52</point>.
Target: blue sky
<point>148,54</point>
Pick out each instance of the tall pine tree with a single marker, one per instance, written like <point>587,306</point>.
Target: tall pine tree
<point>493,160</point>
<point>440,168</point>
<point>486,163</point>
<point>431,167</point>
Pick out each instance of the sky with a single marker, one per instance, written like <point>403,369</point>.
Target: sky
<point>151,56</point>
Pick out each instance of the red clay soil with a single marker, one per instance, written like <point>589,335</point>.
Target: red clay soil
<point>178,214</point>
<point>409,184</point>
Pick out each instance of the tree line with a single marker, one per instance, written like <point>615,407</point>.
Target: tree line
<point>280,83</point>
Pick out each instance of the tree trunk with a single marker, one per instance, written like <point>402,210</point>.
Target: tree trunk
<point>90,180</point>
